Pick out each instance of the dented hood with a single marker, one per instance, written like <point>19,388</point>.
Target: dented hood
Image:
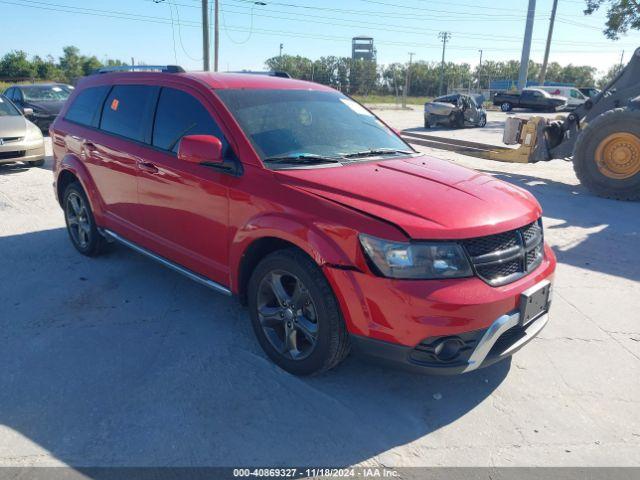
<point>426,197</point>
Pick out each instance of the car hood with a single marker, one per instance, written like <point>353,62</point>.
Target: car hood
<point>426,197</point>
<point>13,126</point>
<point>50,107</point>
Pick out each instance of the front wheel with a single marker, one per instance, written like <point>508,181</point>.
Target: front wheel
<point>607,155</point>
<point>295,314</point>
<point>483,121</point>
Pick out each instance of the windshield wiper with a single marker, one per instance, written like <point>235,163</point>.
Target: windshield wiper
<point>377,151</point>
<point>301,159</point>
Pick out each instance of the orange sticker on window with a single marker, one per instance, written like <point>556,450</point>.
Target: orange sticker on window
<point>114,104</point>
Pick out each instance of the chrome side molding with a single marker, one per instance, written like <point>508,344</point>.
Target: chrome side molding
<point>167,263</point>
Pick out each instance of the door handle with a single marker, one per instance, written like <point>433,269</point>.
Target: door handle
<point>148,167</point>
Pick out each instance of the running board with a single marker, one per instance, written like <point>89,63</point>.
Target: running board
<point>167,263</point>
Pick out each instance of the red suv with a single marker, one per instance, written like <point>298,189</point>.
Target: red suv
<point>317,215</point>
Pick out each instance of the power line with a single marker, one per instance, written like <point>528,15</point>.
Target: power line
<point>158,20</point>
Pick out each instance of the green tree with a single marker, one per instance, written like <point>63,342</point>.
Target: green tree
<point>71,64</point>
<point>612,72</point>
<point>15,65</point>
<point>622,15</point>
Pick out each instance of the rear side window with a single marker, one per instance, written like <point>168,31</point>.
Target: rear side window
<point>85,109</point>
<point>126,111</point>
<point>180,114</point>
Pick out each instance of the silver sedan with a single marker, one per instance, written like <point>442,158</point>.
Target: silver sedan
<point>20,140</point>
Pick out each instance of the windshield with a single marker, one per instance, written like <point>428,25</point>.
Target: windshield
<point>7,109</point>
<point>44,93</point>
<point>305,123</point>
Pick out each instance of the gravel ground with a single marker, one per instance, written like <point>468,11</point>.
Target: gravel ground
<point>118,361</point>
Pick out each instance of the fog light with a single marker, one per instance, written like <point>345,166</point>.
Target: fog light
<point>448,349</point>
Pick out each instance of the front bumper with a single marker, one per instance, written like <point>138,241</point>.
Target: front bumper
<point>502,339</point>
<point>22,151</point>
<point>401,318</point>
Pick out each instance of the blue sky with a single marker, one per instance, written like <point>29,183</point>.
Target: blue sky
<point>167,31</point>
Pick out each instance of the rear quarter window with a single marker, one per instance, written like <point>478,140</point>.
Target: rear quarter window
<point>127,110</point>
<point>85,108</point>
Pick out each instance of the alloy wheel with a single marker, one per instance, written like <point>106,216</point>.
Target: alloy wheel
<point>287,315</point>
<point>78,220</point>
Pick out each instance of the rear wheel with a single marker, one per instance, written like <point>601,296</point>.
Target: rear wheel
<point>607,155</point>
<point>295,314</point>
<point>506,107</point>
<point>81,224</point>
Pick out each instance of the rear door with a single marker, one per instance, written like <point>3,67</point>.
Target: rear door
<point>113,153</point>
<point>184,206</point>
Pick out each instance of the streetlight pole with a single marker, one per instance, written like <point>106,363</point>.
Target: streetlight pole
<point>281,47</point>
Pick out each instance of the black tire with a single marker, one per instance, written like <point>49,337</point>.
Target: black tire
<point>89,243</point>
<point>622,120</point>
<point>427,125</point>
<point>483,122</point>
<point>506,106</point>
<point>332,343</point>
<point>36,163</point>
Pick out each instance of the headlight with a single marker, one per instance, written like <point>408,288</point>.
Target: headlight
<point>419,260</point>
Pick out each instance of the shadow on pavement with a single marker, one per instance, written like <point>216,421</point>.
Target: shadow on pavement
<point>118,361</point>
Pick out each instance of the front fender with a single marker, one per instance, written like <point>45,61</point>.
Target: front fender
<point>72,164</point>
<point>325,246</point>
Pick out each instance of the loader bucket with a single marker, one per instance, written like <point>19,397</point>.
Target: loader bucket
<point>530,134</point>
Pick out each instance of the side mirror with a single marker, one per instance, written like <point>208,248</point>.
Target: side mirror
<point>200,149</point>
<point>27,112</point>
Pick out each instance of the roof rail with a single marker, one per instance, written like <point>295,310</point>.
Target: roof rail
<point>272,73</point>
<point>140,68</point>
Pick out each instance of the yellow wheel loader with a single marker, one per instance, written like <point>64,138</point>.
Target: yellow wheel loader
<point>602,136</point>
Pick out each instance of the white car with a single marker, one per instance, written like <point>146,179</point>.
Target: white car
<point>573,95</point>
<point>20,140</point>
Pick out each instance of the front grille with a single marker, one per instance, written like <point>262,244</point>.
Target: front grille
<point>505,257</point>
<point>7,155</point>
<point>10,139</point>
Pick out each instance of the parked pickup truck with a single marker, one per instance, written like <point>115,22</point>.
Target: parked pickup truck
<point>532,98</point>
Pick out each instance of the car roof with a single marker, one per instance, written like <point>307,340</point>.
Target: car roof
<point>48,84</point>
<point>216,81</point>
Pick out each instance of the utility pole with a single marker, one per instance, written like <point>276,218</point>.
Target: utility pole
<point>216,35</point>
<point>480,71</point>
<point>545,62</point>
<point>622,60</point>
<point>526,46</point>
<point>281,47</point>
<point>205,35</point>
<point>445,37</point>
<point>407,81</point>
